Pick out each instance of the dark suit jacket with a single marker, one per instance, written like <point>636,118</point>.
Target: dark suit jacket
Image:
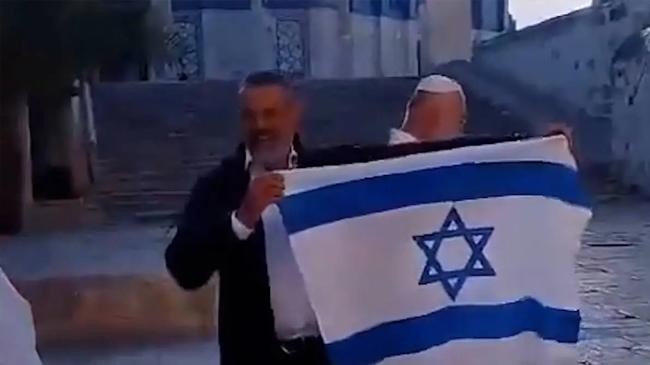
<point>205,243</point>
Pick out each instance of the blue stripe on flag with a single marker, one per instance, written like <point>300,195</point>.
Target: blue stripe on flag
<point>442,184</point>
<point>417,334</point>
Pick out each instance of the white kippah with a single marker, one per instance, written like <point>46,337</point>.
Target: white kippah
<point>440,84</point>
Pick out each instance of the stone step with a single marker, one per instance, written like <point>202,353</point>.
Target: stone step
<point>157,215</point>
<point>162,174</point>
<point>132,171</point>
<point>185,183</point>
<point>63,215</point>
<point>155,194</point>
<point>144,211</point>
<point>105,285</point>
<point>181,175</point>
<point>145,200</point>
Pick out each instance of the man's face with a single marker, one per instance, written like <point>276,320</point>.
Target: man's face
<point>270,116</point>
<point>436,116</point>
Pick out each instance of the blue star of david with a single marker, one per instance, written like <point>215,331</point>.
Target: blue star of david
<point>477,265</point>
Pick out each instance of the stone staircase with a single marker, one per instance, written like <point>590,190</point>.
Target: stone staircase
<point>148,195</point>
<point>44,216</point>
<point>152,179</point>
<point>155,139</point>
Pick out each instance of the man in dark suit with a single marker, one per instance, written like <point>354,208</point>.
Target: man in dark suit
<point>264,313</point>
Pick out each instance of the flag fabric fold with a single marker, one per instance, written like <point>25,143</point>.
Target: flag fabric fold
<point>464,256</point>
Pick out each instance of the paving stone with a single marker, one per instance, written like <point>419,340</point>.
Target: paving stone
<point>614,272</point>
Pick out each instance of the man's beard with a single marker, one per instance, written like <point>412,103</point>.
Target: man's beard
<point>271,155</point>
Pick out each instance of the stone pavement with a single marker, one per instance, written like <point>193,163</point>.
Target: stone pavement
<point>105,285</point>
<point>614,273</point>
<point>613,269</point>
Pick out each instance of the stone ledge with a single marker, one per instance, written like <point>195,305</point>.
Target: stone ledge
<point>121,309</point>
<point>56,215</point>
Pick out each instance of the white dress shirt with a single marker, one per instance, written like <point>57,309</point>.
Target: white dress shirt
<point>398,136</point>
<point>17,337</point>
<point>294,316</point>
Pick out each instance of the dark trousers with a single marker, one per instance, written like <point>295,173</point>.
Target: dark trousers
<point>310,351</point>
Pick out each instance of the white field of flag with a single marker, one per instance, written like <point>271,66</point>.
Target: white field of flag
<point>464,256</point>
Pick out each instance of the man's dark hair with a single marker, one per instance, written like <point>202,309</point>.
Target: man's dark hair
<point>266,78</point>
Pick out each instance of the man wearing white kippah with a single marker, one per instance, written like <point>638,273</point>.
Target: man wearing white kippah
<point>436,111</point>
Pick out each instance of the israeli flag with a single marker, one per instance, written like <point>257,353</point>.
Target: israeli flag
<point>464,256</point>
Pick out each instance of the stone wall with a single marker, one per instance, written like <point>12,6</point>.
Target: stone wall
<point>581,61</point>
<point>224,33</point>
<point>446,32</point>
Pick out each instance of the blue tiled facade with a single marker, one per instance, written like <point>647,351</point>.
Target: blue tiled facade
<point>400,9</point>
<point>300,4</point>
<point>397,9</point>
<point>182,5</point>
<point>366,7</point>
